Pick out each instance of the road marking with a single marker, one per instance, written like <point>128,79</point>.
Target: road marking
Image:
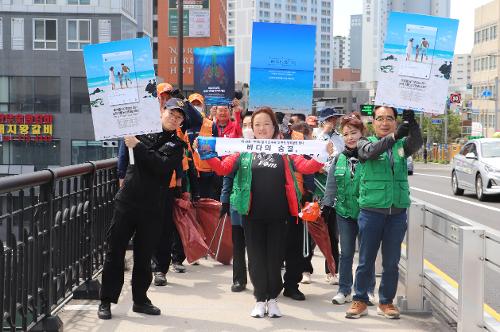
<point>454,284</point>
<point>457,199</point>
<point>435,176</point>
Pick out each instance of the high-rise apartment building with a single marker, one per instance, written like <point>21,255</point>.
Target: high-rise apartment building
<point>44,105</point>
<point>356,41</point>
<point>341,52</point>
<point>242,13</point>
<point>461,69</point>
<point>375,15</point>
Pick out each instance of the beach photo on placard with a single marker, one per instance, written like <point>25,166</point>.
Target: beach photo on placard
<point>121,76</point>
<point>419,51</point>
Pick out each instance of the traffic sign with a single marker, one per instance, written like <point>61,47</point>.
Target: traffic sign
<point>455,98</point>
<point>437,121</point>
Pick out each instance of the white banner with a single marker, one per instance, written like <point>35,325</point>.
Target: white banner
<point>315,149</point>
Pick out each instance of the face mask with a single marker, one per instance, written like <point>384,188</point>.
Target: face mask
<point>199,109</point>
<point>248,133</point>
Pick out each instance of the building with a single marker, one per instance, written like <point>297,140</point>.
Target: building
<point>341,52</point>
<point>485,71</point>
<point>44,106</point>
<point>375,15</point>
<point>460,79</point>
<point>242,13</point>
<point>356,41</point>
<point>346,75</point>
<point>204,25</point>
<point>346,97</point>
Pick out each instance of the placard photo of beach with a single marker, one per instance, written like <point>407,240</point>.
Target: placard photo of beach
<point>416,63</point>
<point>120,68</point>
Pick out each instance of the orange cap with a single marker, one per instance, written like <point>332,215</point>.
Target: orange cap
<point>164,87</point>
<point>196,96</point>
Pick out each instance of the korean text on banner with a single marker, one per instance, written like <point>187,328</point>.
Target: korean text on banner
<point>282,67</point>
<point>214,74</point>
<point>415,67</point>
<point>118,76</point>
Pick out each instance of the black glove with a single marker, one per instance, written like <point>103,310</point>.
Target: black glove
<point>177,192</point>
<point>403,131</point>
<point>177,94</point>
<point>224,209</point>
<point>409,116</point>
<point>327,212</point>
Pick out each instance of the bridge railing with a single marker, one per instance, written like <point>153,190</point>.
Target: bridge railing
<point>52,237</point>
<point>469,248</point>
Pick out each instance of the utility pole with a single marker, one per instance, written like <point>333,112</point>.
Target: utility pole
<point>180,44</point>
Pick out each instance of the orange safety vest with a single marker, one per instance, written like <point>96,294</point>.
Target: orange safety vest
<point>300,180</point>
<point>205,131</point>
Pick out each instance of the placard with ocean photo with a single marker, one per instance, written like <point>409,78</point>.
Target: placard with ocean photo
<point>118,74</point>
<point>282,67</point>
<point>214,74</point>
<point>415,67</point>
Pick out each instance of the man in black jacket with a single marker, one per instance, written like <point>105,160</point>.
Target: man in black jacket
<point>141,205</point>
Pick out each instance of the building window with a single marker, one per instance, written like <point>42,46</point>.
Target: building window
<point>4,94</point>
<point>17,34</point>
<point>82,151</point>
<point>1,33</point>
<point>34,94</point>
<point>44,2</point>
<point>40,154</point>
<point>45,34</point>
<point>78,34</point>
<point>79,95</point>
<point>78,2</point>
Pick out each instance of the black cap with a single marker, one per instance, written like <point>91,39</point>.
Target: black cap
<point>326,113</point>
<point>176,104</point>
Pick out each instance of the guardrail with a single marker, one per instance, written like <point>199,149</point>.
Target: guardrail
<point>52,237</point>
<point>461,301</point>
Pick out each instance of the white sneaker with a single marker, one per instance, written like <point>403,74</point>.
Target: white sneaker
<point>332,279</point>
<point>371,299</point>
<point>272,309</point>
<point>259,311</point>
<point>341,298</point>
<point>306,278</point>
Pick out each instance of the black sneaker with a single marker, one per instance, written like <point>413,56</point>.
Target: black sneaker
<point>146,308</point>
<point>238,287</point>
<point>104,311</point>
<point>160,279</point>
<point>178,268</point>
<point>294,294</point>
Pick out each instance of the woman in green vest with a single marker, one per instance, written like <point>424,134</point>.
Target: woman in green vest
<point>341,197</point>
<point>384,197</point>
<point>266,194</point>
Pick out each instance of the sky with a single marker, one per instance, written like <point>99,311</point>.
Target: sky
<point>460,9</point>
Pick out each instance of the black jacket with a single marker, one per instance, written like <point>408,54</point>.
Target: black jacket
<point>146,184</point>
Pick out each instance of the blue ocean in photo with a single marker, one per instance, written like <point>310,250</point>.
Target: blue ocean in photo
<point>401,50</point>
<point>293,94</point>
<point>104,80</point>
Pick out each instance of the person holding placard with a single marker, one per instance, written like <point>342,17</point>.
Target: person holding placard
<point>384,197</point>
<point>268,181</point>
<point>141,206</point>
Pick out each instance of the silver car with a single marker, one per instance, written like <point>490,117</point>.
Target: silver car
<point>477,168</point>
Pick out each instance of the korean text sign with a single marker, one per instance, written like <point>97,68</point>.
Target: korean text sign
<point>118,74</point>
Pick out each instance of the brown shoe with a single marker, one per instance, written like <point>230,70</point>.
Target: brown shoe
<point>388,311</point>
<point>357,309</point>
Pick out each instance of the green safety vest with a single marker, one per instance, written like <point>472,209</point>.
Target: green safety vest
<point>382,186</point>
<point>242,184</point>
<point>347,188</point>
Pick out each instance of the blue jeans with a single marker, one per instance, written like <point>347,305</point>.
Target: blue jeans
<point>375,229</point>
<point>235,217</point>
<point>348,231</point>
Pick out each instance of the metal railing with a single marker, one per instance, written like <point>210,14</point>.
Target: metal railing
<point>426,286</point>
<point>52,238</point>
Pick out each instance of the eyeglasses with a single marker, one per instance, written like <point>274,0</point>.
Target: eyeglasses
<point>386,119</point>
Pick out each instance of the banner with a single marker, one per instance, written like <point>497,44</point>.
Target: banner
<point>120,75</point>
<point>282,67</point>
<point>225,146</point>
<point>214,74</point>
<point>196,20</point>
<point>416,63</point>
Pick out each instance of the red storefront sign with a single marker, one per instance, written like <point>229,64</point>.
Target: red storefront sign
<point>26,127</point>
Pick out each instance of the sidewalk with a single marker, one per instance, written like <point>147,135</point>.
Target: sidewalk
<point>201,300</point>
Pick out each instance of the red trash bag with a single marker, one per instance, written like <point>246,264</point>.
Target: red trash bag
<point>218,232</point>
<point>319,232</point>
<point>185,220</point>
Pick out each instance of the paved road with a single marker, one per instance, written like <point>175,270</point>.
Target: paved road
<point>432,183</point>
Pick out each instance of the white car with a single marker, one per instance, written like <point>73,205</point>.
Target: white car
<point>477,168</point>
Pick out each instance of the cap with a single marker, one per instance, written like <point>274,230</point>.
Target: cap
<point>164,87</point>
<point>327,113</point>
<point>176,104</point>
<point>196,96</point>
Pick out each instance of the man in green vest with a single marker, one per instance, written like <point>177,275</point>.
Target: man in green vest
<point>384,197</point>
